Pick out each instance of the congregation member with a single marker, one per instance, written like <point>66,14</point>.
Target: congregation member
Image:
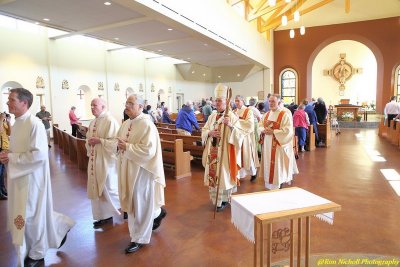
<point>320,110</point>
<point>277,157</point>
<point>74,120</point>
<point>301,123</point>
<point>186,120</point>
<point>266,103</point>
<point>45,116</point>
<point>392,110</point>
<point>216,161</point>
<point>141,174</point>
<point>309,109</point>
<point>5,131</point>
<point>102,183</point>
<point>248,154</point>
<point>257,117</point>
<point>166,118</point>
<point>207,110</point>
<point>35,227</point>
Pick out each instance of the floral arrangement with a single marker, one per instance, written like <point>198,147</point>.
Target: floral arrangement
<point>346,116</point>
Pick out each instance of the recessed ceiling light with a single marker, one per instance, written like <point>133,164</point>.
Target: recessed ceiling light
<point>116,38</point>
<point>37,23</point>
<point>205,44</point>
<point>46,19</point>
<point>188,58</point>
<point>107,3</point>
<point>204,74</point>
<point>238,74</point>
<point>229,54</point>
<point>219,76</point>
<point>170,29</point>
<point>193,71</point>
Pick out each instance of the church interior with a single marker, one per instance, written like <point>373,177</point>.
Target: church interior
<point>344,51</point>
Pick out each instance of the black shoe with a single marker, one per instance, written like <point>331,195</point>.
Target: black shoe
<point>157,221</point>
<point>63,241</point>
<point>253,178</point>
<point>102,222</point>
<point>2,196</point>
<point>3,190</point>
<point>49,146</point>
<point>33,263</point>
<point>133,247</point>
<point>125,215</point>
<point>223,206</point>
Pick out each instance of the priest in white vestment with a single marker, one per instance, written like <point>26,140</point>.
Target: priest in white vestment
<point>35,226</point>
<point>277,158</point>
<point>248,148</point>
<point>141,174</point>
<point>216,161</point>
<point>102,184</point>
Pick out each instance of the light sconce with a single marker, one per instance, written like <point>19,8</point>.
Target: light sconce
<point>169,90</point>
<point>153,88</point>
<point>302,30</point>
<point>141,87</point>
<point>291,33</point>
<point>272,2</point>
<point>284,20</point>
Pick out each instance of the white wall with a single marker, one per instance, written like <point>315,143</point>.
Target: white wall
<point>360,88</point>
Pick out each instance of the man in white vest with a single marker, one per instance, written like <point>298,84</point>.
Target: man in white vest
<point>34,226</point>
<point>102,184</point>
<point>141,174</point>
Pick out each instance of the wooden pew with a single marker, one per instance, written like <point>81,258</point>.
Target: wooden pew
<point>65,140</point>
<point>394,133</point>
<point>324,132</point>
<point>190,143</point>
<point>311,138</point>
<point>173,154</point>
<point>166,125</point>
<point>73,148</point>
<point>55,135</point>
<point>167,130</point>
<point>82,157</point>
<point>383,129</point>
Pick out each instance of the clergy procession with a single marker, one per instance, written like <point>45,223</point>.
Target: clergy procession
<point>125,172</point>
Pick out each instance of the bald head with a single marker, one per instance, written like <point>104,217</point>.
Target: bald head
<point>98,106</point>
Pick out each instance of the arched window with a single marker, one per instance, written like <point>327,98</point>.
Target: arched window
<point>397,82</point>
<point>288,86</point>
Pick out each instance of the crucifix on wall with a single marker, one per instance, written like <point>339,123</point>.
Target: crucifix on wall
<point>342,72</point>
<point>81,93</point>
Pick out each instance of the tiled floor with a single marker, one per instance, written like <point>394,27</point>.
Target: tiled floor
<point>348,173</point>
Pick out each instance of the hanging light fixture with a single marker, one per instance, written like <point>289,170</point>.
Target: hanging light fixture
<point>296,16</point>
<point>284,20</point>
<point>302,30</point>
<point>272,2</point>
<point>291,33</point>
<point>287,1</point>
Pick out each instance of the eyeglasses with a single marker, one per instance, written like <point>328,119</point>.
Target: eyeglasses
<point>129,104</point>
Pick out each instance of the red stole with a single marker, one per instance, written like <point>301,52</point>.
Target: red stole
<point>273,125</point>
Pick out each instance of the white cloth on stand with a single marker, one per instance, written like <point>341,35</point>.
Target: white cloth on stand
<point>245,207</point>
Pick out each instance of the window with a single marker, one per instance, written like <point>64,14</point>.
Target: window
<point>397,82</point>
<point>288,86</point>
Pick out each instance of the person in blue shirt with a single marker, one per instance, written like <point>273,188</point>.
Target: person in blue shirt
<point>166,118</point>
<point>186,119</point>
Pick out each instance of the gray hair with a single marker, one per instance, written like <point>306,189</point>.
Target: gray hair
<point>252,101</point>
<point>23,95</point>
<point>240,97</point>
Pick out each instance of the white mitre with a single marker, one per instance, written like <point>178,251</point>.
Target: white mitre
<point>220,91</point>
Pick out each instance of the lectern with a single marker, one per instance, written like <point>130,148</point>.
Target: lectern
<point>254,213</point>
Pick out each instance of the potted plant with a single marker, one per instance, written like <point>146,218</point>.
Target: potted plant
<point>358,118</point>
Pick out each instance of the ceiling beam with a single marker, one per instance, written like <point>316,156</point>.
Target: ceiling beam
<point>233,2</point>
<point>347,6</point>
<point>279,5</point>
<point>275,23</point>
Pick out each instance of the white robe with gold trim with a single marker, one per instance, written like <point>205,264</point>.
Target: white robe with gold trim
<point>35,226</point>
<point>102,185</point>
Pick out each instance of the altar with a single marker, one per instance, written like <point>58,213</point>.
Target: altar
<point>341,109</point>
<point>254,213</point>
